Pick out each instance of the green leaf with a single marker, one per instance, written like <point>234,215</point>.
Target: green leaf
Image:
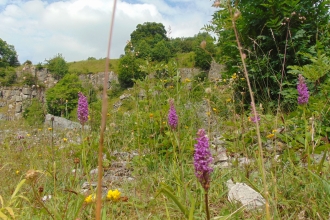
<point>10,211</point>
<point>321,162</point>
<point>3,216</point>
<point>168,192</point>
<point>17,189</point>
<point>228,216</point>
<point>192,207</point>
<point>1,201</point>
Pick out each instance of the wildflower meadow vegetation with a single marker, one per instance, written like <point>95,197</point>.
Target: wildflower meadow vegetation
<point>174,145</point>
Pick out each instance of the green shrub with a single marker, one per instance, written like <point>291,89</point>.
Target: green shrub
<point>58,66</point>
<point>7,76</point>
<point>34,114</point>
<point>66,89</point>
<point>129,69</point>
<point>29,79</point>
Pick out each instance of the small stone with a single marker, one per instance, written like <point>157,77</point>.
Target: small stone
<point>243,161</point>
<point>94,172</point>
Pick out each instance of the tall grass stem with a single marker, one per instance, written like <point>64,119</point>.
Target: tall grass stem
<point>261,159</point>
<point>104,119</point>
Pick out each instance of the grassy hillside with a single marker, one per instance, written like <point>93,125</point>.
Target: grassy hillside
<point>92,66</point>
<point>184,60</point>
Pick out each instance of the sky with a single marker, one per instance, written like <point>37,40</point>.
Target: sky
<point>78,29</point>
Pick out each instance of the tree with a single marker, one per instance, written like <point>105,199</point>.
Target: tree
<point>129,69</point>
<point>66,89</point>
<point>8,55</point>
<point>151,32</point>
<point>57,66</point>
<point>273,35</point>
<point>143,49</point>
<point>161,52</point>
<point>203,53</point>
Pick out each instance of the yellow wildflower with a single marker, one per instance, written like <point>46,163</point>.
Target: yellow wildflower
<point>90,198</point>
<point>208,113</point>
<point>274,131</point>
<point>28,135</point>
<point>249,118</point>
<point>214,109</point>
<point>65,139</point>
<point>113,195</point>
<point>187,80</point>
<point>151,115</point>
<point>270,136</point>
<point>224,80</point>
<point>39,129</point>
<point>89,117</point>
<point>49,129</point>
<point>108,114</point>
<point>228,100</point>
<point>17,171</point>
<point>234,76</point>
<point>242,79</point>
<point>164,122</point>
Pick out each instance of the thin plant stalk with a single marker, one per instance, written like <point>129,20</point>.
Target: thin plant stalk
<point>261,159</point>
<point>37,197</point>
<point>207,205</point>
<point>103,120</point>
<point>53,155</point>
<point>307,150</point>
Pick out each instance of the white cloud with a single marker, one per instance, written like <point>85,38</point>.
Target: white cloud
<point>79,29</point>
<point>3,2</point>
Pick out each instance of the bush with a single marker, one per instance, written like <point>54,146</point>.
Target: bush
<point>115,91</point>
<point>7,76</point>
<point>27,62</point>
<point>29,79</point>
<point>129,69</point>
<point>58,66</point>
<point>66,89</point>
<point>39,66</point>
<point>34,114</point>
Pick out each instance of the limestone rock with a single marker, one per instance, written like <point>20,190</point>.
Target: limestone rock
<point>240,192</point>
<point>60,122</point>
<point>26,91</point>
<point>18,98</point>
<point>124,96</point>
<point>18,108</point>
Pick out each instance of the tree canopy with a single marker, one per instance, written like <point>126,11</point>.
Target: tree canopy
<point>8,55</point>
<point>151,32</point>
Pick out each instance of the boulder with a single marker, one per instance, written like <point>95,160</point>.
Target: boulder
<point>63,123</point>
<point>240,192</point>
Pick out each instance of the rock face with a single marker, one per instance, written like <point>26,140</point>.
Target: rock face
<point>13,100</point>
<point>97,79</point>
<point>215,71</point>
